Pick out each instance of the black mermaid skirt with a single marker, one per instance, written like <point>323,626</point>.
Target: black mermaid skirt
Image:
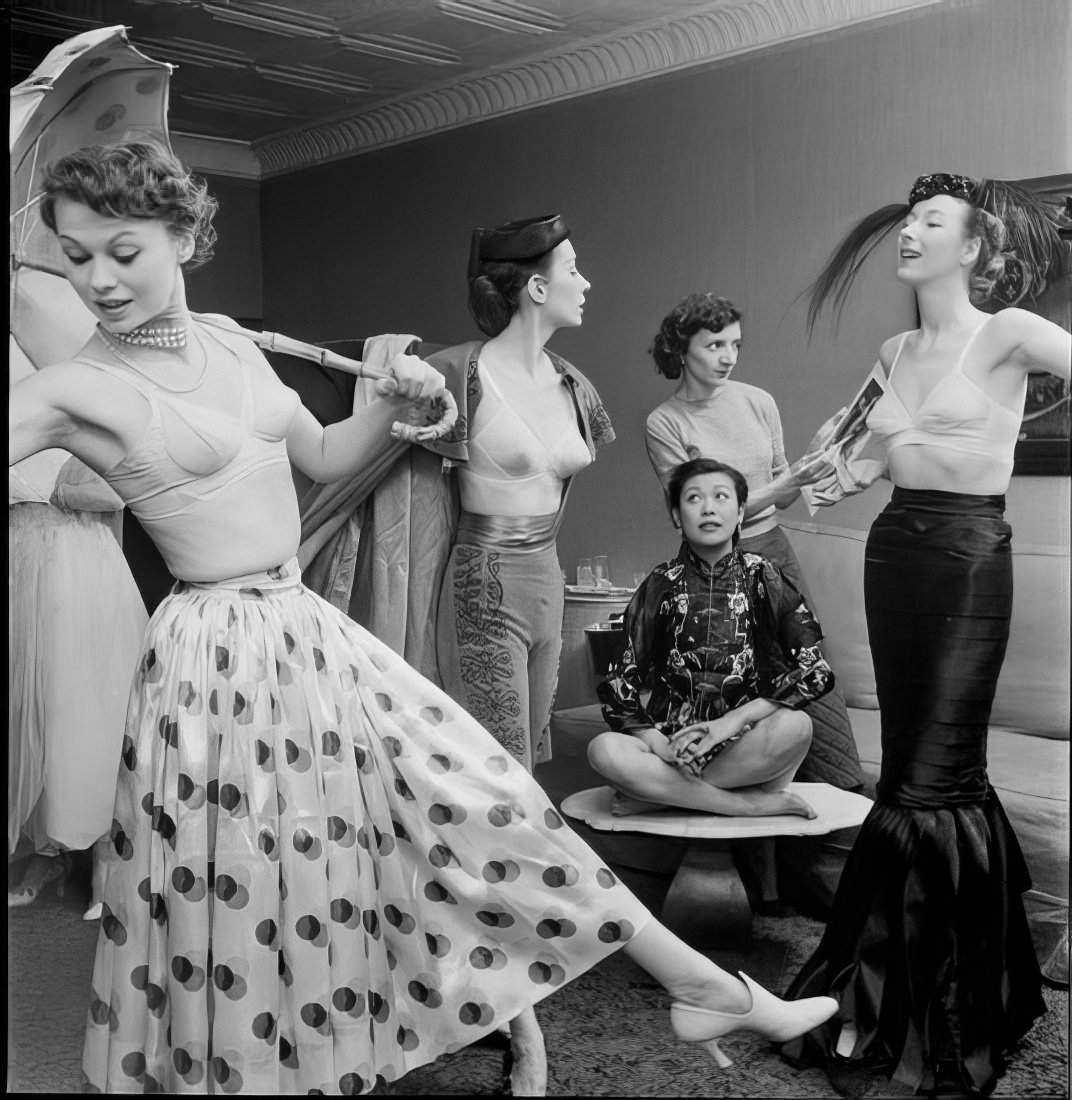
<point>928,948</point>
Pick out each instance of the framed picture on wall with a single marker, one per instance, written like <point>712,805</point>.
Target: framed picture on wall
<point>1043,447</point>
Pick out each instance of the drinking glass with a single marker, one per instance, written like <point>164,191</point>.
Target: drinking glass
<point>584,574</point>
<point>601,571</point>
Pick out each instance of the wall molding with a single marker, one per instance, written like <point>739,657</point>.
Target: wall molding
<point>722,31</point>
<point>219,156</point>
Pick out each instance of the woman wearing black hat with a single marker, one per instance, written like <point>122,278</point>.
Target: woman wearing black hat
<point>533,422</point>
<point>928,948</point>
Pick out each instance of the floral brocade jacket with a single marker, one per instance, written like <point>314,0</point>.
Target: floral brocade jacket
<point>706,639</point>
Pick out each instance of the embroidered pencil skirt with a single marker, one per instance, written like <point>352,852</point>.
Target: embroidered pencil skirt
<point>928,948</point>
<point>500,628</point>
<point>323,872</point>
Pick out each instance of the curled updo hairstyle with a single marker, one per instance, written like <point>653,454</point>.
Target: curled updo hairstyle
<point>994,265</point>
<point>134,179</point>
<point>680,474</point>
<point>495,292</point>
<point>680,325</point>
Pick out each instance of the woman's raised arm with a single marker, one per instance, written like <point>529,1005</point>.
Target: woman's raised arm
<point>341,450</point>
<point>1035,343</point>
<point>36,419</point>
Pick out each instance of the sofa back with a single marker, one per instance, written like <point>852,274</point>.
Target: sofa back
<point>1033,689</point>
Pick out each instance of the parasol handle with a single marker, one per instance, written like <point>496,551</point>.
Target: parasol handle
<point>442,401</point>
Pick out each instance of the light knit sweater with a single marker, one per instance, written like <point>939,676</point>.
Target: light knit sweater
<point>739,425</point>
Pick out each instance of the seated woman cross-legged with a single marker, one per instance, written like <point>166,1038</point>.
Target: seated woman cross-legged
<point>730,652</point>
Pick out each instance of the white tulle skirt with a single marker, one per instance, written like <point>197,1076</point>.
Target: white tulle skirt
<point>75,626</point>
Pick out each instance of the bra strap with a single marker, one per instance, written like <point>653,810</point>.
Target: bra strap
<point>128,377</point>
<point>971,340</point>
<point>897,357</point>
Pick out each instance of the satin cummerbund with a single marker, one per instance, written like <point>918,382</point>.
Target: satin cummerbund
<point>521,534</point>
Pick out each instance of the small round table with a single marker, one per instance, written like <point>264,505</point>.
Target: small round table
<point>707,905</point>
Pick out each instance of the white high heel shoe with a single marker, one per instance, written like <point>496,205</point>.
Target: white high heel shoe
<point>769,1015</point>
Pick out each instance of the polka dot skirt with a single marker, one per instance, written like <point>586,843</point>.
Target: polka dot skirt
<point>323,873</point>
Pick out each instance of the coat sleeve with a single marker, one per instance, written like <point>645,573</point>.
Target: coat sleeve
<point>799,673</point>
<point>621,693</point>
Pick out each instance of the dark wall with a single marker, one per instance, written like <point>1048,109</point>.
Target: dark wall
<point>231,282</point>
<point>737,178</point>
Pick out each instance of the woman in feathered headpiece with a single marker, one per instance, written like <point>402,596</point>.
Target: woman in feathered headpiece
<point>928,948</point>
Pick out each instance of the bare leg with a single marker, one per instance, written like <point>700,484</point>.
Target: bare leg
<point>685,973</point>
<point>709,1004</point>
<point>528,1074</point>
<point>629,765</point>
<point>767,756</point>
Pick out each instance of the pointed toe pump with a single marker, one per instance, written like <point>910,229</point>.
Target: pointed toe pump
<point>769,1016</point>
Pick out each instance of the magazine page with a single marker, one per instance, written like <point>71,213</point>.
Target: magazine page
<point>855,419</point>
<point>856,465</point>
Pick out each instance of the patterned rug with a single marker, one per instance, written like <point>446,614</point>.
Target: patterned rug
<point>607,1033</point>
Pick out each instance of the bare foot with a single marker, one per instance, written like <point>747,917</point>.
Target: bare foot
<point>625,805</point>
<point>789,803</point>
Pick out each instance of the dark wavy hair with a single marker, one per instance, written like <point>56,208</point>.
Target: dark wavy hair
<point>680,474</point>
<point>495,292</point>
<point>134,179</point>
<point>1019,250</point>
<point>680,325</point>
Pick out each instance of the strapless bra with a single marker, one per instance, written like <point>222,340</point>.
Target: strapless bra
<point>957,414</point>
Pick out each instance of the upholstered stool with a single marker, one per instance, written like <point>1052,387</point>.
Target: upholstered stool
<point>707,904</point>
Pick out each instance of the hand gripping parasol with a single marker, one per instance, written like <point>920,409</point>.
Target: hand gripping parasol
<point>443,403</point>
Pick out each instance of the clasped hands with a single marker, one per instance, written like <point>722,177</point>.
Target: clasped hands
<point>690,744</point>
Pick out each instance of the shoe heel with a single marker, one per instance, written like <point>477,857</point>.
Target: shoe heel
<point>722,1060</point>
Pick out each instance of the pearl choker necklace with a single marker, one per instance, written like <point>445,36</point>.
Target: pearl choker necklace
<point>110,338</point>
<point>153,336</point>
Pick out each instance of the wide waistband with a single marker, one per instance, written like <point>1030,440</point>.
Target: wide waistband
<point>278,578</point>
<point>937,500</point>
<point>524,534</point>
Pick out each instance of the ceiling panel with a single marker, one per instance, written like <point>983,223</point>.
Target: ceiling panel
<point>308,81</point>
<point>247,70</point>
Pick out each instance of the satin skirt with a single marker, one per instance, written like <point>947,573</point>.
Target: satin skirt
<point>323,872</point>
<point>928,948</point>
